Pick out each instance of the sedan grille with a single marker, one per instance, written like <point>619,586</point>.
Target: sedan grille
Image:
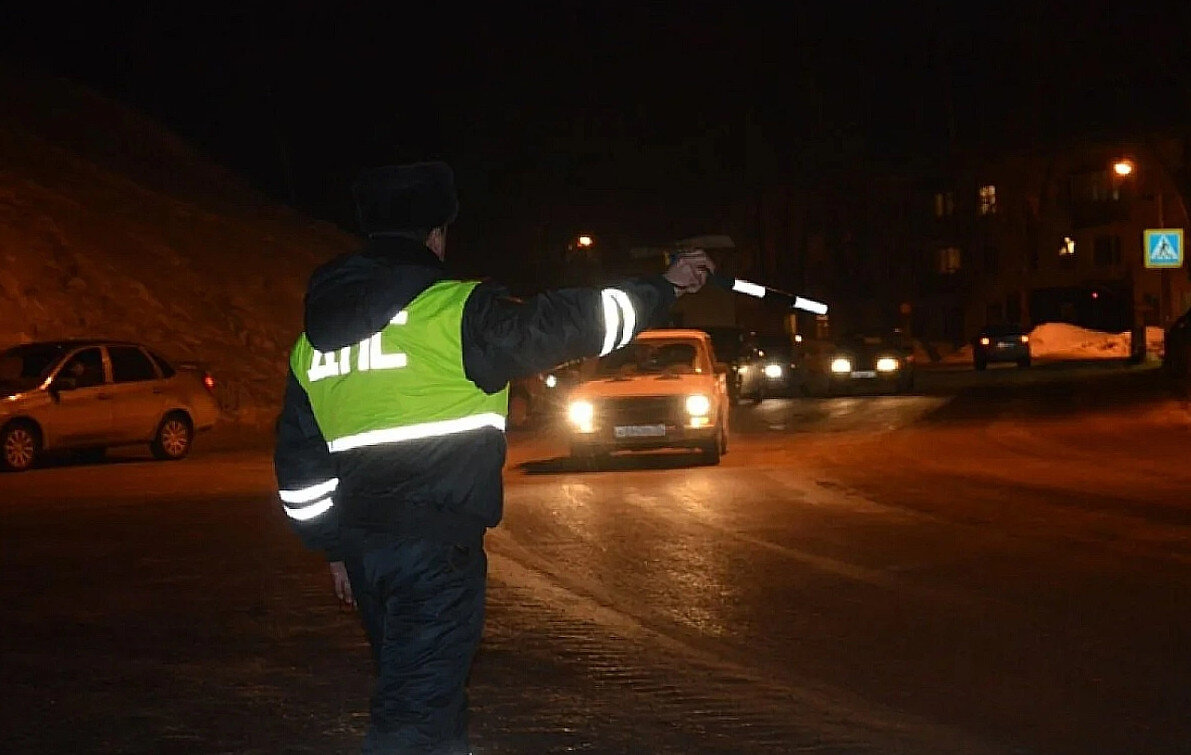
<point>642,410</point>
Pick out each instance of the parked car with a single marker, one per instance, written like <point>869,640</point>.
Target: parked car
<point>1176,347</point>
<point>864,362</point>
<point>1001,343</point>
<point>777,364</point>
<point>87,396</point>
<point>737,348</point>
<point>663,390</point>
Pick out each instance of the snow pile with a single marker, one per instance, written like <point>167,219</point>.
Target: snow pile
<point>1060,340</point>
<point>111,227</point>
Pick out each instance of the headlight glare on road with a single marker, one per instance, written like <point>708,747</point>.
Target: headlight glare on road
<point>841,365</point>
<point>773,371</point>
<point>582,416</point>
<point>887,364</point>
<point>698,405</point>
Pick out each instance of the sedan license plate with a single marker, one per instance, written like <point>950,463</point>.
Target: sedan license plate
<point>640,431</point>
<point>864,374</point>
<point>1005,344</point>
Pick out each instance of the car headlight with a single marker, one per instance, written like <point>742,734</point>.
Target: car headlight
<point>840,364</point>
<point>582,415</point>
<point>551,381</point>
<point>773,371</point>
<point>698,405</point>
<point>887,364</point>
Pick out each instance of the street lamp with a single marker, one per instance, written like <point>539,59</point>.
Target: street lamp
<point>1123,168</point>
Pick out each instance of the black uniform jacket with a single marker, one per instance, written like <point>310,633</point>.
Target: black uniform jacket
<point>449,487</point>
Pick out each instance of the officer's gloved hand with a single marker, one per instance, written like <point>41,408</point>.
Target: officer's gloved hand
<point>688,271</point>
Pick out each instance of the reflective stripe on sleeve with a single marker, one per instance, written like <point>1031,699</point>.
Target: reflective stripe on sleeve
<point>417,432</point>
<point>310,493</point>
<point>306,513</point>
<point>619,317</point>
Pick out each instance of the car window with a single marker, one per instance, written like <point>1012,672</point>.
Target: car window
<point>655,356</point>
<point>26,366</point>
<point>84,368</point>
<point>130,365</point>
<point>166,369</point>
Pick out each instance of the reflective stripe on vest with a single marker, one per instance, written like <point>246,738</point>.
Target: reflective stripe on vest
<point>416,432</point>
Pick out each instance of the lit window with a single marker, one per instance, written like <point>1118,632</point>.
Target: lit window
<point>950,260</point>
<point>944,204</point>
<point>1067,248</point>
<point>988,200</point>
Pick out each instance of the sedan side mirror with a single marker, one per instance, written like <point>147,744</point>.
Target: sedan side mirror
<point>64,383</point>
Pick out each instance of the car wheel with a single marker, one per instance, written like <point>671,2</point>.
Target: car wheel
<point>1023,362</point>
<point>20,446</point>
<point>518,411</point>
<point>713,450</point>
<point>980,364</point>
<point>723,436</point>
<point>174,437</point>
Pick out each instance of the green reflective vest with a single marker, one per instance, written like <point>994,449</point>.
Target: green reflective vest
<point>404,383</point>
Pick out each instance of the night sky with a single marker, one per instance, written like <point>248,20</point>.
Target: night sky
<point>633,117</point>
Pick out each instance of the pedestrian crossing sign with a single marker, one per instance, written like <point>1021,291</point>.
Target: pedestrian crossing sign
<point>1163,247</point>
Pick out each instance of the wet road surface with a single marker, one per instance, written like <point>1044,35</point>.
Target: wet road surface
<point>998,563</point>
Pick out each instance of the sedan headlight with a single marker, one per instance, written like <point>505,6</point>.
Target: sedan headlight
<point>841,365</point>
<point>773,371</point>
<point>698,405</point>
<point>582,416</point>
<point>887,364</point>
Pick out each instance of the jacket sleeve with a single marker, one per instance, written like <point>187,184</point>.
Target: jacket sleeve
<point>306,474</point>
<point>505,338</point>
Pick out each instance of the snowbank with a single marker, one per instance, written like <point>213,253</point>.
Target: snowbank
<point>1060,340</point>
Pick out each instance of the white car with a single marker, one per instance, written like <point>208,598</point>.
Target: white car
<point>85,396</point>
<point>663,390</point>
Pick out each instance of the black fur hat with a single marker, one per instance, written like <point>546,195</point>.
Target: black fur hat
<point>420,196</point>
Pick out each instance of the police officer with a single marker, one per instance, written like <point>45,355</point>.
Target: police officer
<point>391,442</point>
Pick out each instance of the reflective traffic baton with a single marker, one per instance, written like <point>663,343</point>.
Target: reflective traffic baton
<point>756,290</point>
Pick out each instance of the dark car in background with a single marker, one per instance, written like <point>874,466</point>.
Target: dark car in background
<point>776,361</point>
<point>857,363</point>
<point>737,347</point>
<point>541,397</point>
<point>86,396</point>
<point>1176,348</point>
<point>1001,343</point>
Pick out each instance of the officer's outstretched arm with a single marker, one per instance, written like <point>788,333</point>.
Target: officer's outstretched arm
<point>504,338</point>
<point>306,474</point>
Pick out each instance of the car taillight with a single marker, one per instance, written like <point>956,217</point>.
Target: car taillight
<point>209,382</point>
<point>985,342</point>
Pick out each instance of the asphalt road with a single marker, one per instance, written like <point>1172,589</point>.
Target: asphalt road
<point>998,564</point>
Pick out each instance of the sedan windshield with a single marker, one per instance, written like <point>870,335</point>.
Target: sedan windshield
<point>26,366</point>
<point>655,356</point>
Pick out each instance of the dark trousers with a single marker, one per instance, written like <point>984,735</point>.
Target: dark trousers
<point>422,604</point>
